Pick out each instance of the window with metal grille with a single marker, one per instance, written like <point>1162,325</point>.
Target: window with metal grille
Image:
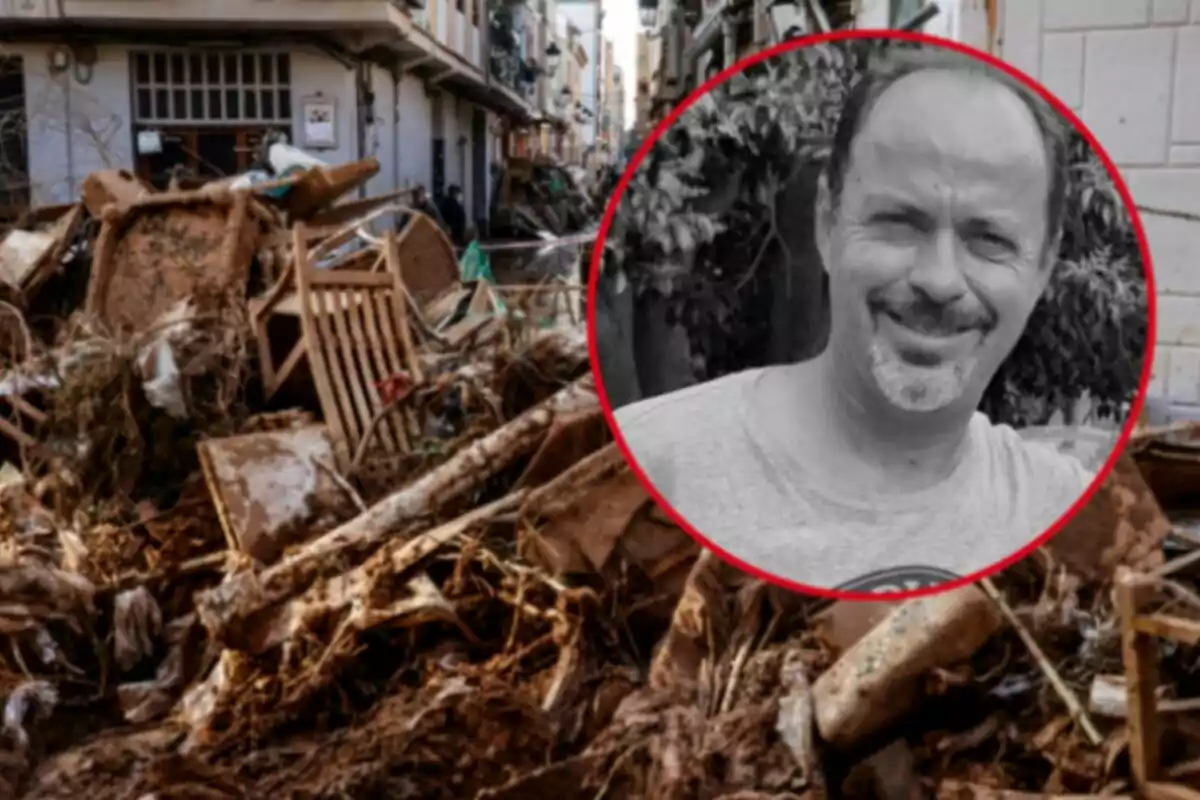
<point>173,87</point>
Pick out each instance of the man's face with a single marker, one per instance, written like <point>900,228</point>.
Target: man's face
<point>935,249</point>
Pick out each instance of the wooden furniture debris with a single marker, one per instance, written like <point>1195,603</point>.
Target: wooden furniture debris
<point>1140,632</point>
<point>112,187</point>
<point>29,258</point>
<point>427,258</point>
<point>1169,459</point>
<point>555,302</point>
<point>356,337</point>
<point>166,247</point>
<point>470,312</point>
<point>335,217</point>
<point>273,488</point>
<point>18,417</point>
<point>1123,524</point>
<point>316,188</point>
<point>275,315</point>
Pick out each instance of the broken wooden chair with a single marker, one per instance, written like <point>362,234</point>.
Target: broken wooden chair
<point>1140,632</point>
<point>275,315</point>
<point>355,339</point>
<point>30,257</point>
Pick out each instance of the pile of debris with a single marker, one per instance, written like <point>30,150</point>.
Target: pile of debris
<point>290,510</point>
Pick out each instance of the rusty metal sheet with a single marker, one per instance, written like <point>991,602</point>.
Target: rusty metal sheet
<point>270,488</point>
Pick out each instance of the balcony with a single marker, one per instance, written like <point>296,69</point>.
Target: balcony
<point>510,66</point>
<point>453,24</point>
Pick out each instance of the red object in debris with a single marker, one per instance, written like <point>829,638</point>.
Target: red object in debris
<point>394,388</point>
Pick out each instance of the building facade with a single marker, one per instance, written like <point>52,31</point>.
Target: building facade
<point>616,115</point>
<point>645,65</point>
<point>579,124</point>
<point>194,84</point>
<point>605,144</point>
<point>587,18</point>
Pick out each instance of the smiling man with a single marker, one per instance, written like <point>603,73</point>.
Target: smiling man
<point>869,468</point>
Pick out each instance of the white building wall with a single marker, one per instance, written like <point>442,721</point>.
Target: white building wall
<point>1130,69</point>
<point>317,75</point>
<point>381,133</point>
<point>415,134</point>
<point>75,127</point>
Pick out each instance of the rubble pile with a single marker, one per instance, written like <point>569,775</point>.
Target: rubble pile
<point>291,510</point>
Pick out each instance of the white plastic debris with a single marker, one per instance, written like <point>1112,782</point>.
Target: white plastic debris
<point>28,702</point>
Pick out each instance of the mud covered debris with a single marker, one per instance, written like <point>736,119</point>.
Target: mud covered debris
<point>291,510</point>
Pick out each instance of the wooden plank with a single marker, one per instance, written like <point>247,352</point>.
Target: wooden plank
<point>400,305</point>
<point>369,365</point>
<point>1169,791</point>
<point>339,279</point>
<point>317,360</point>
<point>351,370</point>
<point>1164,626</point>
<point>1139,652</point>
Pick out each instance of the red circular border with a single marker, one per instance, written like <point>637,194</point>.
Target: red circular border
<point>1152,311</point>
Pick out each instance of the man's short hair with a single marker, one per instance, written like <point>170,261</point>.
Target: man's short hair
<point>901,61</point>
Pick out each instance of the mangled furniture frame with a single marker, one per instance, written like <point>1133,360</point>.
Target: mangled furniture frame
<point>1140,633</point>
<point>161,249</point>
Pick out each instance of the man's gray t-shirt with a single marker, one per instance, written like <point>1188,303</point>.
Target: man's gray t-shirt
<point>714,457</point>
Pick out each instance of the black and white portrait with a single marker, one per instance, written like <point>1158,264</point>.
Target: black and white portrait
<point>871,316</point>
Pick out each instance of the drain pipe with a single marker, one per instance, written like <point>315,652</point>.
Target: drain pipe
<point>397,77</point>
<point>365,103</point>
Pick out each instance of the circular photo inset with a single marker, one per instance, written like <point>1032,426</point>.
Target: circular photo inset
<point>872,314</point>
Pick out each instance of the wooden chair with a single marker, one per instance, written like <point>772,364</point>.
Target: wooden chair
<point>282,298</point>
<point>416,255</point>
<point>356,337</point>
<point>1140,634</point>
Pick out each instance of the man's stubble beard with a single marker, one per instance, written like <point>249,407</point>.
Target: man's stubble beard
<point>917,388</point>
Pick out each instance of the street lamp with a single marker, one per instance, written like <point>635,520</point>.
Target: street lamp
<point>553,54</point>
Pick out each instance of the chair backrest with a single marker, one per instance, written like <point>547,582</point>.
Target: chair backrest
<point>430,264</point>
<point>357,336</point>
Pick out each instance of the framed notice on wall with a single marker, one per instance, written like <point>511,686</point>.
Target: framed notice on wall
<point>320,123</point>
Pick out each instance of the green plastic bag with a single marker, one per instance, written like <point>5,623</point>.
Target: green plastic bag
<point>476,266</point>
